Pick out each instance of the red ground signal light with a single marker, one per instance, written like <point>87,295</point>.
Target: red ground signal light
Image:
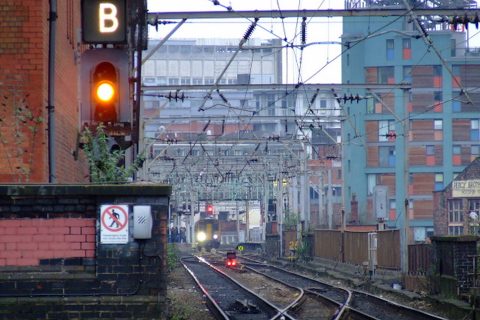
<point>209,209</point>
<point>231,259</point>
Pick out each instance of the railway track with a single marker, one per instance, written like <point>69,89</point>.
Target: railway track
<point>226,297</point>
<point>306,298</point>
<point>352,304</point>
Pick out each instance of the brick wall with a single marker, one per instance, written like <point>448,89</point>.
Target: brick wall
<point>24,43</point>
<point>29,242</point>
<point>53,264</point>
<point>452,262</point>
<point>440,213</point>
<point>440,199</point>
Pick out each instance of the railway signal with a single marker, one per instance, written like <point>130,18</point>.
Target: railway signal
<point>210,209</point>
<point>104,87</point>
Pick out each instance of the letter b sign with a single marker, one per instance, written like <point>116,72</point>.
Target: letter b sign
<point>104,21</point>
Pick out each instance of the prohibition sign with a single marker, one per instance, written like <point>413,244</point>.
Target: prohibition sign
<point>115,217</point>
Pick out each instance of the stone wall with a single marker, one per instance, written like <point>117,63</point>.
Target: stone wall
<point>53,264</point>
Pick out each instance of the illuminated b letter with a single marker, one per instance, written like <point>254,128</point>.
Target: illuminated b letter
<point>107,14</point>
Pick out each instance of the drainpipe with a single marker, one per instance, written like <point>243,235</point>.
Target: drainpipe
<point>51,91</point>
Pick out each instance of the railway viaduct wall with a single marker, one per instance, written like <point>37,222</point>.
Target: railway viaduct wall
<point>56,261</point>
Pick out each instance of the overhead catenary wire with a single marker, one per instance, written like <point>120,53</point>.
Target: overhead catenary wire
<point>300,86</point>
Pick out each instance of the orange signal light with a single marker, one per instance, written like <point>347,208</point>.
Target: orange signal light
<point>105,91</point>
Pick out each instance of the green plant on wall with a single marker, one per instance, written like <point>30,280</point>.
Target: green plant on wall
<point>19,128</point>
<point>105,165</point>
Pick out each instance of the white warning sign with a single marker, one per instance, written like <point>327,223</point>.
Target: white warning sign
<point>114,224</point>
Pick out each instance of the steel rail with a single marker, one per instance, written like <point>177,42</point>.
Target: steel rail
<point>279,315</point>
<point>340,306</point>
<point>348,304</point>
<point>213,306</point>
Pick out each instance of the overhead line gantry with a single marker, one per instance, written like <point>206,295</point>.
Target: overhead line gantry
<point>328,13</point>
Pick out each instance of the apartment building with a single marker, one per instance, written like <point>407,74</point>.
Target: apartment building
<point>401,145</point>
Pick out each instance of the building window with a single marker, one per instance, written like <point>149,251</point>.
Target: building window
<point>453,47</point>
<point>455,211</point>
<point>172,81</point>
<point>430,150</point>
<point>185,80</point>
<point>371,183</point>
<point>371,105</point>
<point>406,49</point>
<point>438,129</point>
<point>323,104</point>
<point>149,80</point>
<point>457,155</point>
<point>385,128</point>
<point>386,75</point>
<point>313,194</point>
<point>390,49</point>
<point>475,150</point>
<point>271,104</point>
<point>474,130</point>
<point>455,230</point>
<point>456,104</point>
<point>173,49</point>
<point>386,156</point>
<point>407,74</point>
<point>474,205</point>
<point>392,204</point>
<point>438,181</point>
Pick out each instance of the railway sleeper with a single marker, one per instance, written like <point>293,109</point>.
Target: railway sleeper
<point>244,306</point>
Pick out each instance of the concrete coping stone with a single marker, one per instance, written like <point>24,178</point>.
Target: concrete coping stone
<point>132,189</point>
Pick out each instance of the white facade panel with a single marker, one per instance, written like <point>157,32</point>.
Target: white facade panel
<point>208,69</point>
<point>148,69</point>
<point>197,69</point>
<point>185,69</point>
<point>173,68</point>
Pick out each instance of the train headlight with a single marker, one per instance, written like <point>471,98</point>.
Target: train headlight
<point>201,236</point>
<point>215,236</point>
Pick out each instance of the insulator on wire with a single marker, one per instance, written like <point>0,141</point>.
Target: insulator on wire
<point>250,30</point>
<point>222,96</point>
<point>304,31</point>
<point>206,126</point>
